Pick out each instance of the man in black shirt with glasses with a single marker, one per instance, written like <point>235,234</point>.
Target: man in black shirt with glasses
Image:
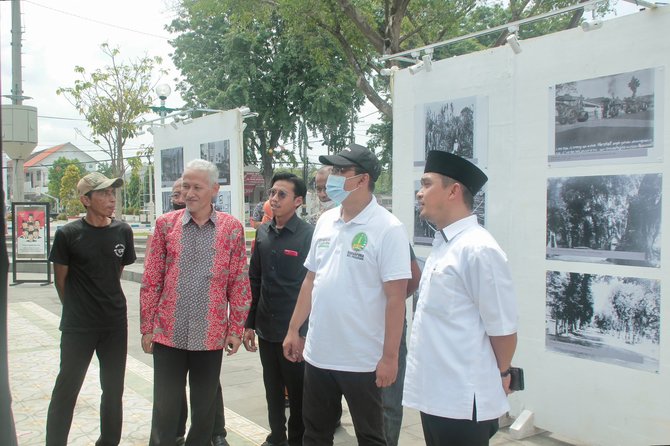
<point>276,273</point>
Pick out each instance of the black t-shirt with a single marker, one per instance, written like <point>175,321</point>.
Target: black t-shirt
<point>94,300</point>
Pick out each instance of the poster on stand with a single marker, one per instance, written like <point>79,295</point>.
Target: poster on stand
<point>29,231</point>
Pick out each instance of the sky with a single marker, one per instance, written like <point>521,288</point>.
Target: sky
<point>61,35</point>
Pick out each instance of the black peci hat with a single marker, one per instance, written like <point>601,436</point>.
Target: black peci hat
<point>355,155</point>
<point>456,167</point>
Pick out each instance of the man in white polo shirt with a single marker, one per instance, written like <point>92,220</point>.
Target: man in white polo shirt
<point>464,331</point>
<point>354,296</point>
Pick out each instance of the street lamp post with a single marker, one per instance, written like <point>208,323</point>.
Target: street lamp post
<point>162,91</point>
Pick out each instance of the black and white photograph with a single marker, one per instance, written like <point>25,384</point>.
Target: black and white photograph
<point>450,126</point>
<point>609,219</point>
<point>424,231</point>
<point>608,117</point>
<point>172,165</point>
<point>602,318</point>
<point>222,203</point>
<point>167,201</point>
<point>218,152</point>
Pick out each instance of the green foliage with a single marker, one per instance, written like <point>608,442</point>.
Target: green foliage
<point>112,99</point>
<point>106,169</point>
<point>132,190</point>
<point>261,64</point>
<point>69,197</point>
<point>57,170</point>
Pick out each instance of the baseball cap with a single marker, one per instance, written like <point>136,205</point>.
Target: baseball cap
<point>97,181</point>
<point>456,167</point>
<point>355,155</point>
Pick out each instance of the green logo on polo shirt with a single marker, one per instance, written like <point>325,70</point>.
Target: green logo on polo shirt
<point>359,242</point>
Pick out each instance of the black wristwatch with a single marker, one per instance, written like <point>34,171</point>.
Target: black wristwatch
<point>506,372</point>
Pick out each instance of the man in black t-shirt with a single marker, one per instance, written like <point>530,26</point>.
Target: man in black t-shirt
<point>88,256</point>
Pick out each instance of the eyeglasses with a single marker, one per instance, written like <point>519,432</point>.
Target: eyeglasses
<point>176,195</point>
<point>339,170</point>
<point>320,189</point>
<point>278,192</point>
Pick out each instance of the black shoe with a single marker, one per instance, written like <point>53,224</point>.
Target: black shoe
<point>181,441</point>
<point>267,443</point>
<point>219,440</point>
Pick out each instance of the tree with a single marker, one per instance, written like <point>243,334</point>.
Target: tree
<point>258,64</point>
<point>57,170</point>
<point>132,190</point>
<point>634,84</point>
<point>112,99</point>
<point>105,169</point>
<point>69,197</point>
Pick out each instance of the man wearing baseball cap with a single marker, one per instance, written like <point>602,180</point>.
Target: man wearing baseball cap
<point>88,256</point>
<point>464,331</point>
<point>354,296</point>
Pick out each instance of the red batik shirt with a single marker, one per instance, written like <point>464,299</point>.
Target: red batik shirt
<point>195,287</point>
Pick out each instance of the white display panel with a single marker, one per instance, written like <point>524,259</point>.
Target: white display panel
<point>616,395</point>
<point>216,138</point>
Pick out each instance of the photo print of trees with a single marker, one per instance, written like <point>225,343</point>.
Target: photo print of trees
<point>612,219</point>
<point>449,127</point>
<point>604,318</point>
<point>604,118</point>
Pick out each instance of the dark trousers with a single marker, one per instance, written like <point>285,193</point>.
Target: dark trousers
<point>277,373</point>
<point>76,351</point>
<point>171,366</point>
<point>439,431</point>
<point>322,402</point>
<point>219,416</point>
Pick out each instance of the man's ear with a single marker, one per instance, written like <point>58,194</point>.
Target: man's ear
<point>85,200</point>
<point>297,201</point>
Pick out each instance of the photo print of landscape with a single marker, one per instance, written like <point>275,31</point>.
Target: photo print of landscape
<point>609,319</point>
<point>613,219</point>
<point>607,117</point>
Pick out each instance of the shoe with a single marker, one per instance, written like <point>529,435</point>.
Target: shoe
<point>267,443</point>
<point>219,440</point>
<point>181,441</point>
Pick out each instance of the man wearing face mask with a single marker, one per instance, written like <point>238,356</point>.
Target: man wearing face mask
<point>354,295</point>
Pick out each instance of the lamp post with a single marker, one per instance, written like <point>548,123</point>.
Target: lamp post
<point>162,91</point>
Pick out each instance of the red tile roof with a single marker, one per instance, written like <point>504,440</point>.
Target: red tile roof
<point>39,156</point>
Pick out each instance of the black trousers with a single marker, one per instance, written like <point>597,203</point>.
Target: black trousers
<point>76,351</point>
<point>219,416</point>
<point>277,373</point>
<point>322,406</point>
<point>171,366</point>
<point>439,431</point>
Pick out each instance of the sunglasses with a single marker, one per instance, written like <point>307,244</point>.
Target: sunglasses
<point>278,192</point>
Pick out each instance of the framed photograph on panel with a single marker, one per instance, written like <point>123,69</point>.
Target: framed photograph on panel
<point>603,318</point>
<point>218,152</point>
<point>172,165</point>
<point>610,219</point>
<point>611,117</point>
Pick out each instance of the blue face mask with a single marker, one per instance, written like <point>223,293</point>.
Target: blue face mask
<point>335,188</point>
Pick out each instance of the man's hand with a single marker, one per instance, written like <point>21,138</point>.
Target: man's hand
<point>249,340</point>
<point>293,345</point>
<point>506,380</point>
<point>387,371</point>
<point>148,343</point>
<point>232,344</point>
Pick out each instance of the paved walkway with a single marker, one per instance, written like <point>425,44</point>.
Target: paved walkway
<point>34,313</point>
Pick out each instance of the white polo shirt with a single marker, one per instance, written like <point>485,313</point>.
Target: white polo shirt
<point>351,262</point>
<point>465,296</point>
